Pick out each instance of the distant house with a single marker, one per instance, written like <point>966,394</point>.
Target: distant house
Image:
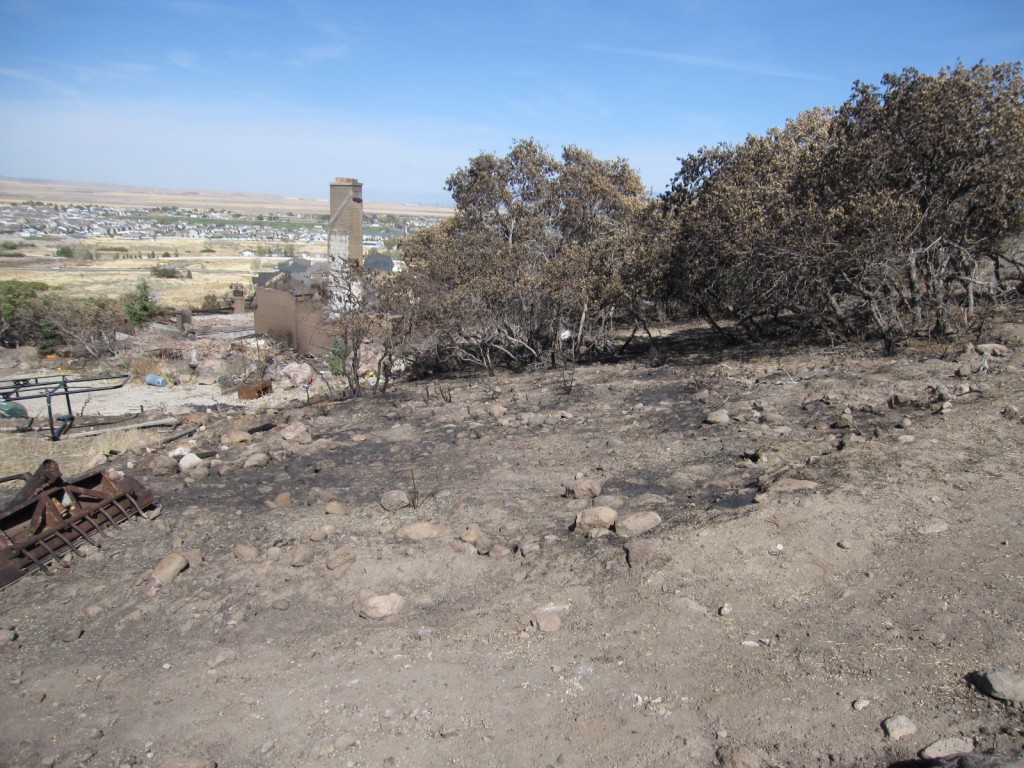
<point>248,253</point>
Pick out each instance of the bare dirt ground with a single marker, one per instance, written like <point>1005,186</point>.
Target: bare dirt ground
<point>841,538</point>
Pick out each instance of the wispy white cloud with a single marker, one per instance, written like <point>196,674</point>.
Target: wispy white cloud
<point>34,79</point>
<point>707,62</point>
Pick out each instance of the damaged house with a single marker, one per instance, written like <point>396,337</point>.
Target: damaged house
<point>291,301</point>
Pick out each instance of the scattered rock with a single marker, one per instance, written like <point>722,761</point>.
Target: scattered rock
<point>164,465</point>
<point>690,604</point>
<point>297,433</point>
<point>861,704</point>
<point>737,757</point>
<point>948,747</point>
<point>638,553</point>
<point>497,410</point>
<point>322,533</point>
<point>994,350</point>
<point>221,656</point>
<point>380,606</point>
<point>236,436</point>
<point>336,508</point>
<point>721,416</point>
<point>549,618</point>
<point>595,518</point>
<point>394,500</point>
<point>340,557</point>
<point>245,553</point>
<point>725,610</point>
<point>258,459</point>
<point>283,499</point>
<point>937,526</point>
<point>419,531</point>
<point>634,525</point>
<point>582,488</point>
<point>301,556</point>
<point>281,604</point>
<point>165,572</point>
<point>1003,683</point>
<point>188,462</point>
<point>898,726</point>
<point>472,533</point>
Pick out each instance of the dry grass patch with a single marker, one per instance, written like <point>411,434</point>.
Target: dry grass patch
<point>25,452</point>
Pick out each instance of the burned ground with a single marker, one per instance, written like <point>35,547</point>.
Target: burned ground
<point>744,627</point>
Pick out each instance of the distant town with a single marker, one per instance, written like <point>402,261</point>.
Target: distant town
<point>31,220</point>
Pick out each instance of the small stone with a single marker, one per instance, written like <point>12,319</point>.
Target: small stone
<point>165,572</point>
<point>340,557</point>
<point>638,553</point>
<point>688,603</point>
<point>189,461</point>
<point>221,656</point>
<point>335,507</point>
<point>258,459</point>
<point>93,611</point>
<point>236,436</point>
<point>730,756</point>
<point>843,544</point>
<point>297,433</point>
<point>1003,683</point>
<point>634,525</point>
<point>419,531</point>
<point>72,634</point>
<point>721,416</point>
<point>499,550</point>
<point>497,410</point>
<point>582,488</point>
<point>898,726</point>
<point>267,747</point>
<point>860,704</point>
<point>948,747</point>
<point>380,606</point>
<point>245,553</point>
<point>301,556</point>
<point>322,533</point>
<point>281,605</point>
<point>283,499</point>
<point>472,533</point>
<point>595,518</point>
<point>188,762</point>
<point>725,610</point>
<point>936,527</point>
<point>906,438</point>
<point>547,619</point>
<point>394,500</point>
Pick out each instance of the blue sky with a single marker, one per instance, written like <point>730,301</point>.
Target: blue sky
<point>280,97</point>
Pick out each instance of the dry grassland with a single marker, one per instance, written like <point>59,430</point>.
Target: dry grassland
<point>16,190</point>
<point>211,273</point>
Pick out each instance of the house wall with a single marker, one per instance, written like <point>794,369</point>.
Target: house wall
<point>296,321</point>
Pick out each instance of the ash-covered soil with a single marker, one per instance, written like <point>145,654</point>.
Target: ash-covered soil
<point>846,546</point>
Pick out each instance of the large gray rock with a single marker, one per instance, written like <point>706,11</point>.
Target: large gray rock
<point>1003,683</point>
<point>634,525</point>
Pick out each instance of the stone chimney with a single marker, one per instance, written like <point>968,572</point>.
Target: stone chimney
<point>345,230</point>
